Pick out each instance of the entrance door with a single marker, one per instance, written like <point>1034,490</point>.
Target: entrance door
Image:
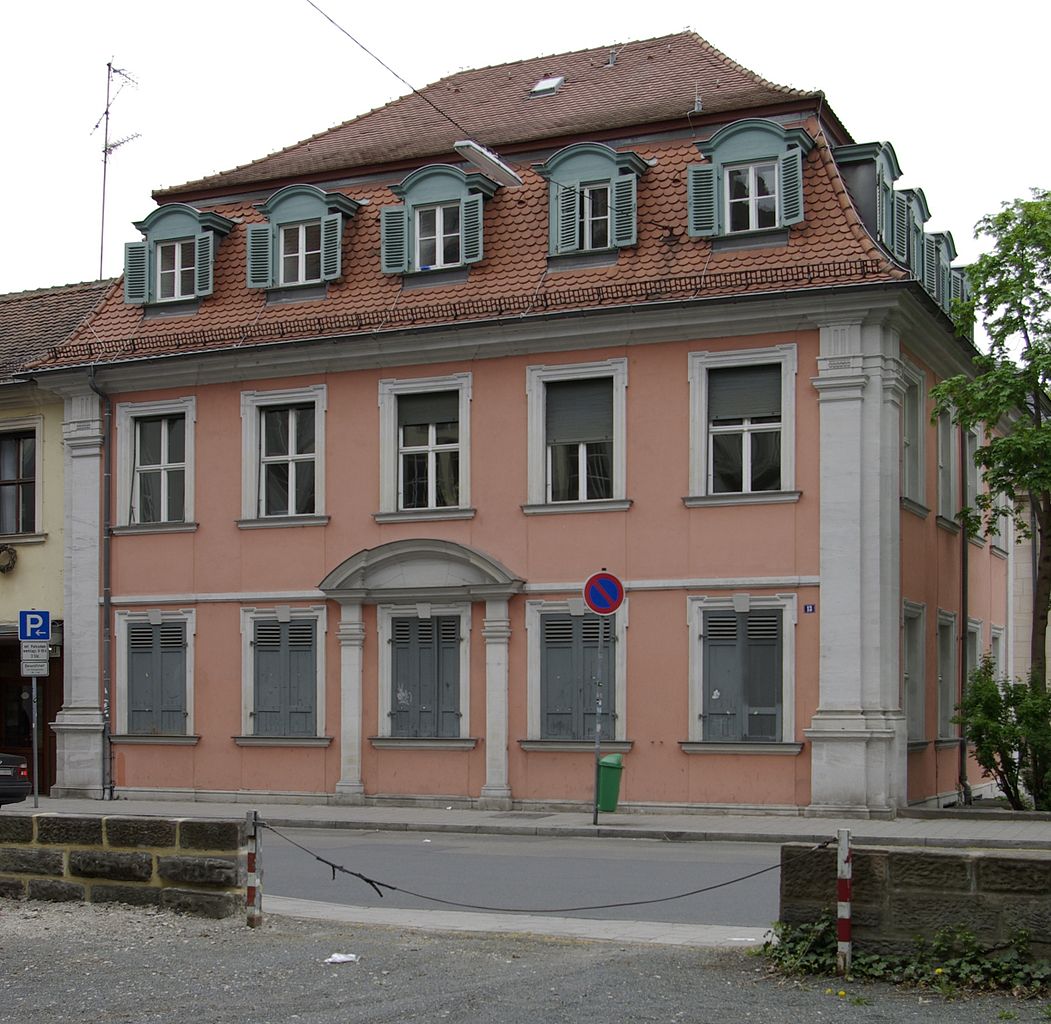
<point>16,710</point>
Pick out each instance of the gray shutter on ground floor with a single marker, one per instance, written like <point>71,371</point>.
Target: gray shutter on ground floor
<point>157,678</point>
<point>285,678</point>
<point>569,673</point>
<point>425,677</point>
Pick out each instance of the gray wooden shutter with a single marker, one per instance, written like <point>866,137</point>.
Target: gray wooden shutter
<point>405,695</point>
<point>447,662</point>
<point>260,256</point>
<point>567,218</point>
<point>901,228</point>
<point>204,251</point>
<point>471,226</point>
<point>157,678</point>
<point>595,659</point>
<point>143,691</point>
<point>579,410</point>
<point>723,681</point>
<point>136,273</point>
<point>331,246</point>
<point>269,710</point>
<point>792,187</point>
<point>301,644</point>
<point>930,265</point>
<point>171,657</point>
<point>425,677</point>
<point>623,213</point>
<point>761,710</point>
<point>394,240</point>
<point>569,673</point>
<point>702,200</point>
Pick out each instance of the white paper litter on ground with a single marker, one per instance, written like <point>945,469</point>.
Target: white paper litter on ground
<point>343,958</point>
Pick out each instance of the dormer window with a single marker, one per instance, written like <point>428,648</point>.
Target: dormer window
<point>592,198</point>
<point>174,261</point>
<point>301,242</point>
<point>439,226</point>
<point>753,180</point>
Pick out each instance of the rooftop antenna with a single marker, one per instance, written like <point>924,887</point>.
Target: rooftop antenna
<point>697,105</point>
<point>107,146</point>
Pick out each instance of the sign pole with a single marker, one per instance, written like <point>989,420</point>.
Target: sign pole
<point>36,752</point>
<point>598,719</point>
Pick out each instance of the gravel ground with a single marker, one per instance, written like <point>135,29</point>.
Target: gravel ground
<point>73,962</point>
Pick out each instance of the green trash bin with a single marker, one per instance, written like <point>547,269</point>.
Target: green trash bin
<point>609,769</point>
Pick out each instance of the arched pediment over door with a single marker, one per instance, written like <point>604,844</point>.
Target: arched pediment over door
<point>420,570</point>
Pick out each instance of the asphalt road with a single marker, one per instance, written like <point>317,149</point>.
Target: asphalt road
<point>535,875</point>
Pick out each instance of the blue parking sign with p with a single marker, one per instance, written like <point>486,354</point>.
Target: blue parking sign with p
<point>34,625</point>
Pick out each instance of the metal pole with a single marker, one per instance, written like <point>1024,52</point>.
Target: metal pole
<point>254,888</point>
<point>36,752</point>
<point>844,885</point>
<point>598,716</point>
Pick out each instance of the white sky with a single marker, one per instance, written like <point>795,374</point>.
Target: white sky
<point>958,87</point>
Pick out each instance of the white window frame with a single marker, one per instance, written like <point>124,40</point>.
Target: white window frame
<point>587,219</point>
<point>535,636</point>
<point>998,651</point>
<point>696,606</point>
<point>913,436</point>
<point>252,404</point>
<point>126,415</point>
<point>751,166</point>
<point>280,613</point>
<point>947,675</point>
<point>537,379</point>
<point>972,483</point>
<point>973,648</point>
<point>385,615</point>
<point>439,236</point>
<point>301,264</point>
<point>700,434</point>
<point>948,460</point>
<point>34,425</point>
<point>390,448</point>
<point>178,243</point>
<point>914,667</point>
<point>155,617</point>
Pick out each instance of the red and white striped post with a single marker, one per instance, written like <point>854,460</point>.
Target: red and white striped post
<point>254,889</point>
<point>844,884</point>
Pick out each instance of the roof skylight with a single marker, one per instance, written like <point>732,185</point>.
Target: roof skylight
<point>548,86</point>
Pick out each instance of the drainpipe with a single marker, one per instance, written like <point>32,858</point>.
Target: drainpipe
<point>107,593</point>
<point>965,553</point>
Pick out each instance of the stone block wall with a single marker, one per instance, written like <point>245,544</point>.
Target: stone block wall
<point>901,893</point>
<point>197,866</point>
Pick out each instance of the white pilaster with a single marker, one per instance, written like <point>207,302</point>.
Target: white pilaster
<point>79,725</point>
<point>858,734</point>
<point>496,793</point>
<point>350,789</point>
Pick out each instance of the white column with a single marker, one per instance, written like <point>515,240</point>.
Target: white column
<point>858,734</point>
<point>350,789</point>
<point>496,793</point>
<point>79,725</point>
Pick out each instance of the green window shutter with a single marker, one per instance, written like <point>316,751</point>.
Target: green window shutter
<point>331,246</point>
<point>761,718</point>
<point>930,265</point>
<point>136,273</point>
<point>567,213</point>
<point>204,246</point>
<point>624,204</point>
<point>702,200</point>
<point>901,228</point>
<point>958,289</point>
<point>260,256</point>
<point>792,187</point>
<point>143,689</point>
<point>471,225</point>
<point>171,644</point>
<point>394,240</point>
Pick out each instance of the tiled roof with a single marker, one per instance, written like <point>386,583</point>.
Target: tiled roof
<point>830,247</point>
<point>33,322</point>
<point>648,82</point>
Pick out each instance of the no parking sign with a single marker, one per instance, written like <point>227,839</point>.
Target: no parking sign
<point>603,593</point>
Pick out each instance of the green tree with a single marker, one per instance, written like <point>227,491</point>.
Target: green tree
<point>1010,395</point>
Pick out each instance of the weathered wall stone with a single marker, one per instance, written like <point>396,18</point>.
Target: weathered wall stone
<point>69,830</point>
<point>122,867</point>
<point>16,829</point>
<point>30,862</point>
<point>200,870</point>
<point>1009,874</point>
<point>135,895</point>
<point>929,871</point>
<point>1033,913</point>
<point>139,832</point>
<point>202,904</point>
<point>54,890</point>
<point>211,835</point>
<point>914,914</point>
<point>13,888</point>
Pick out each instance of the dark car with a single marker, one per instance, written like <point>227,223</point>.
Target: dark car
<point>14,779</point>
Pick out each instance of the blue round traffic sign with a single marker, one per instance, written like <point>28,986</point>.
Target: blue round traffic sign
<point>603,593</point>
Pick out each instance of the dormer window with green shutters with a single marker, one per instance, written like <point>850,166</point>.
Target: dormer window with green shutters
<point>592,199</point>
<point>439,224</point>
<point>939,251</point>
<point>301,242</point>
<point>175,260</point>
<point>870,170</point>
<point>752,182</point>
<point>910,214</point>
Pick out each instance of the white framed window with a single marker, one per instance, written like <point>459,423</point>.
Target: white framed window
<point>21,493</point>
<point>594,215</point>
<point>751,196</point>
<point>577,435</point>
<point>971,442</point>
<point>742,424</point>
<point>438,236</point>
<point>997,651</point>
<point>300,255</point>
<point>564,642</point>
<point>424,671</point>
<point>283,671</point>
<point>946,674</point>
<point>425,445</point>
<point>283,461</point>
<point>742,668</point>
<point>913,434</point>
<point>155,462</point>
<point>972,646</point>
<point>913,669</point>
<point>155,672</point>
<point>176,269</point>
<point>947,461</point>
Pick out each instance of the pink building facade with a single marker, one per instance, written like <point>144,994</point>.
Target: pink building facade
<point>367,413</point>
